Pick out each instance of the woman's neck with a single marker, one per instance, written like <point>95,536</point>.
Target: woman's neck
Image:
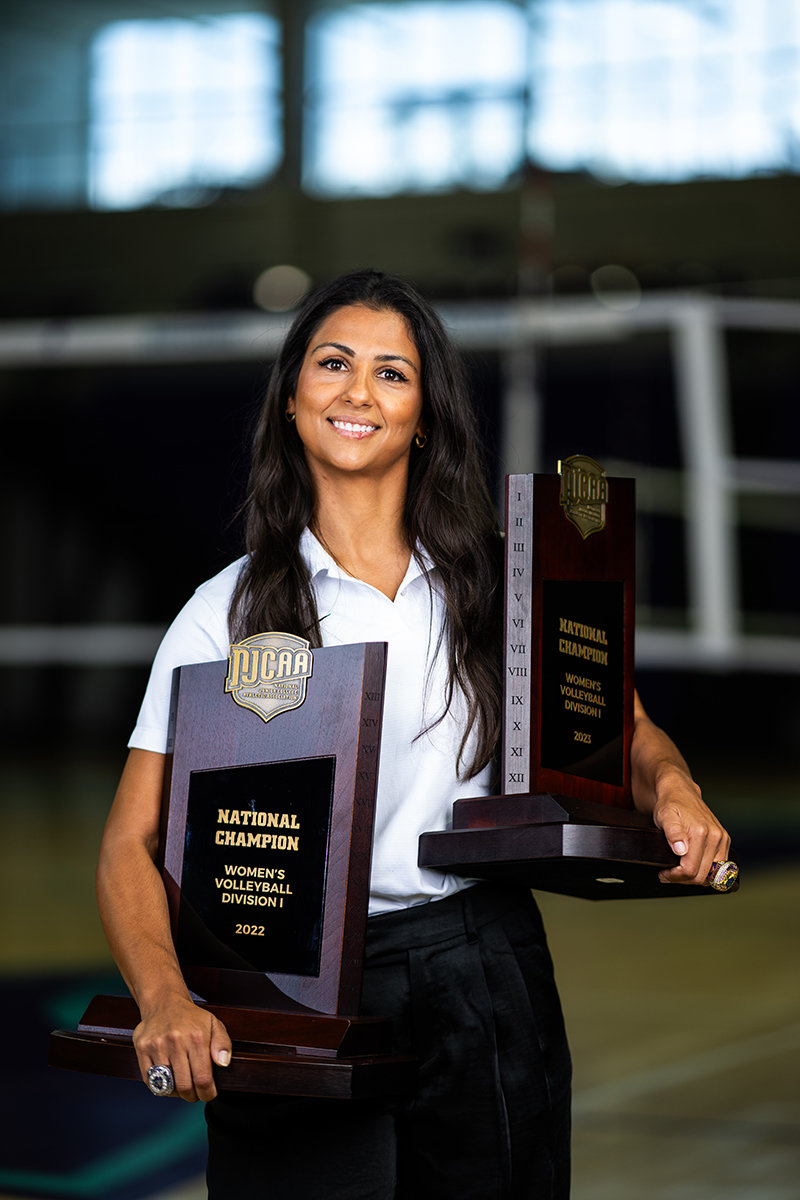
<point>360,524</point>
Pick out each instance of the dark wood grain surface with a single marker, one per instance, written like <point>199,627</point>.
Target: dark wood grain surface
<point>340,717</point>
<point>315,1033</point>
<point>595,862</point>
<point>563,832</point>
<point>292,1034</point>
<point>359,1076</point>
<point>560,553</point>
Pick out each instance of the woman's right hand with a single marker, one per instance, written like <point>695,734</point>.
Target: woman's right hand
<point>176,1033</point>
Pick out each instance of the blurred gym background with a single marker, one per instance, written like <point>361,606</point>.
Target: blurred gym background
<point>603,198</point>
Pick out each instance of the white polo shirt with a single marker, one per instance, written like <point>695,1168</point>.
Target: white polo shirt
<point>417,781</point>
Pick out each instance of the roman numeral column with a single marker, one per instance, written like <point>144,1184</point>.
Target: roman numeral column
<point>518,633</point>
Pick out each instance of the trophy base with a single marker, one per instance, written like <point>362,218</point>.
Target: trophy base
<point>556,844</point>
<point>279,1053</point>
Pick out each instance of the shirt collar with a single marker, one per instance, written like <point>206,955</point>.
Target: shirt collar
<point>316,557</point>
<point>318,560</point>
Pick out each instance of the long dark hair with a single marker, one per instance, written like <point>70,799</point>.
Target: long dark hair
<point>447,511</point>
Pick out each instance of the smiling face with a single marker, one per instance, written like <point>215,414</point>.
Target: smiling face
<point>358,400</point>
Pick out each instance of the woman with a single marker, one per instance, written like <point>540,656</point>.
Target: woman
<point>368,521</point>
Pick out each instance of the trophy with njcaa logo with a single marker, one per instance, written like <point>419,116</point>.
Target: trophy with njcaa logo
<point>265,847</point>
<point>565,821</point>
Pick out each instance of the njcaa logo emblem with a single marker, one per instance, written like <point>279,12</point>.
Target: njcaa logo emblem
<point>584,493</point>
<point>267,673</point>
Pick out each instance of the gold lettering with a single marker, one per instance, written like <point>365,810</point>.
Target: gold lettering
<point>587,652</point>
<point>587,710</point>
<point>301,662</point>
<point>237,659</point>
<point>249,679</point>
<point>587,632</point>
<point>267,664</point>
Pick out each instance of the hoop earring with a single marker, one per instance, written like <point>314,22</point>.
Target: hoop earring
<point>289,417</point>
<point>421,441</point>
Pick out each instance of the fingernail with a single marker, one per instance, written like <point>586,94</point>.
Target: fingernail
<point>224,1058</point>
<point>679,847</point>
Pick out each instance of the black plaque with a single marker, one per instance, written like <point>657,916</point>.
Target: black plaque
<point>254,864</point>
<point>583,679</point>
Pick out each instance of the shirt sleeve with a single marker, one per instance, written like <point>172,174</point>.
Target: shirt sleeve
<point>199,633</point>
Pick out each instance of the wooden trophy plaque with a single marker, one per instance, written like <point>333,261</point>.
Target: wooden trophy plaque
<point>566,820</point>
<point>265,850</point>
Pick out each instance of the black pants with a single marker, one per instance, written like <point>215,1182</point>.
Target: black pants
<point>468,983</point>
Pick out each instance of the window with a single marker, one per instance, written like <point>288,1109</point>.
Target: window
<point>400,96</point>
<point>425,96</point>
<point>415,97</point>
<point>183,108</point>
<point>666,89</point>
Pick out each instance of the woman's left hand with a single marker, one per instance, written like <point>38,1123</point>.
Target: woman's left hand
<point>690,827</point>
<point>663,786</point>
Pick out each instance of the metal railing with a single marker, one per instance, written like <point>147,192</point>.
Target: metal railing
<point>712,480</point>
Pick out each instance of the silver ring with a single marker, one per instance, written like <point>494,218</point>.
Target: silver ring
<point>161,1081</point>
<point>722,876</point>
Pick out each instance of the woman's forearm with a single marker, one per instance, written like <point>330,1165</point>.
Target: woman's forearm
<point>655,761</point>
<point>130,893</point>
<point>133,906</point>
<point>135,917</point>
<point>663,786</point>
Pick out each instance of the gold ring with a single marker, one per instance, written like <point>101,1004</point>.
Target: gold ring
<point>722,876</point>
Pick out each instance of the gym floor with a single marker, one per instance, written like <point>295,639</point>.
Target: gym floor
<point>683,1013</point>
